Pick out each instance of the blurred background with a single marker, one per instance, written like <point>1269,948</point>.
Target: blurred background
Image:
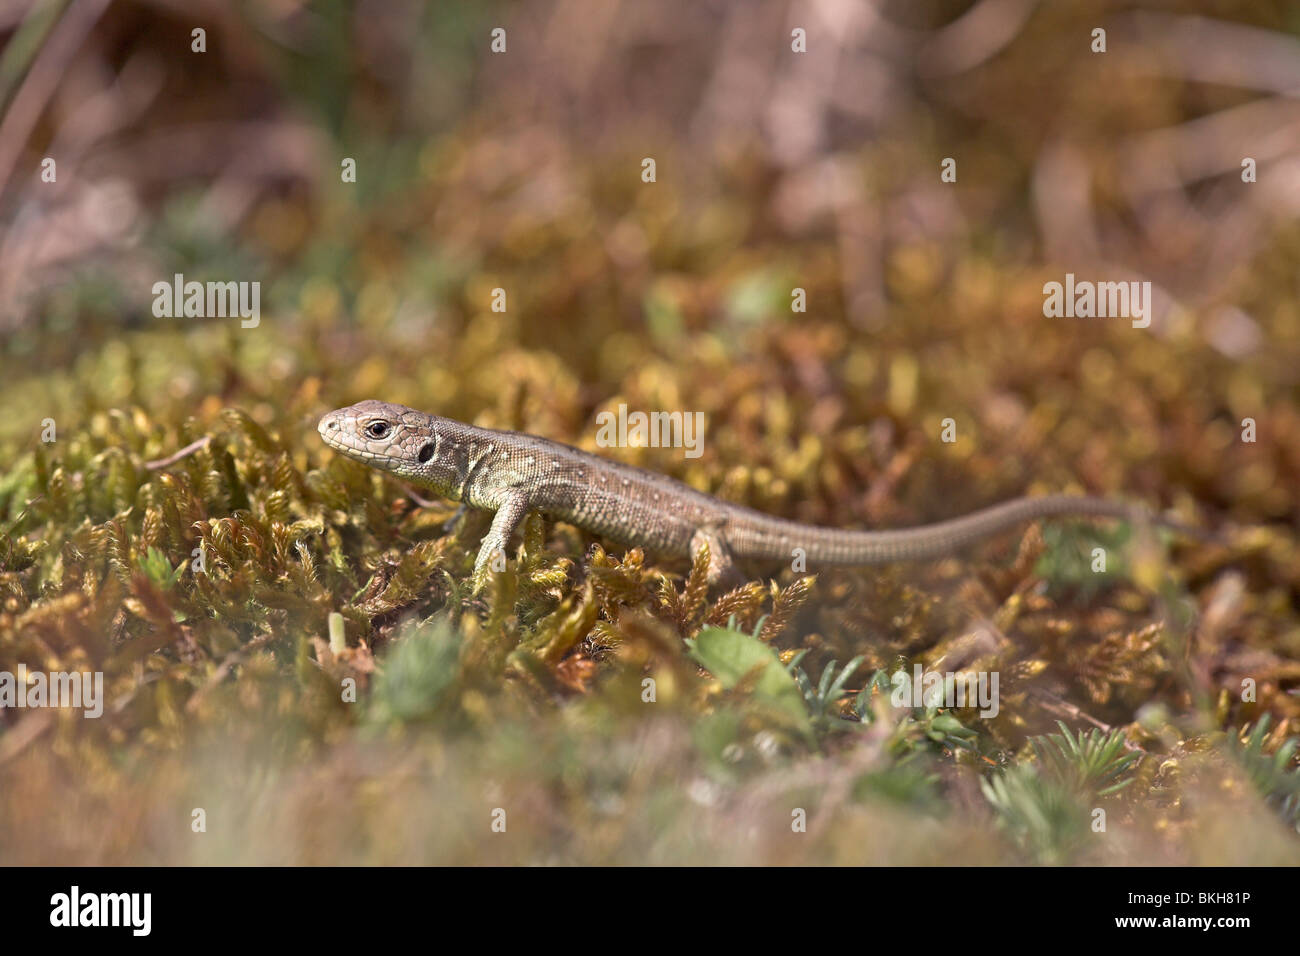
<point>522,170</point>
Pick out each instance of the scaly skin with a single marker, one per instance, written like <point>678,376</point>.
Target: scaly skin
<point>512,473</point>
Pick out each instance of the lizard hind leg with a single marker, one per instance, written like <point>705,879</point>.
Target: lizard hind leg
<point>722,565</point>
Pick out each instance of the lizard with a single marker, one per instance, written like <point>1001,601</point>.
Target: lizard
<point>512,473</point>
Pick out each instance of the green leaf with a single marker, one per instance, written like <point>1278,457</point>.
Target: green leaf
<point>417,673</point>
<point>159,570</point>
<point>730,656</point>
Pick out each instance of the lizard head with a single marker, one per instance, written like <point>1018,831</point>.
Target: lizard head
<point>400,440</point>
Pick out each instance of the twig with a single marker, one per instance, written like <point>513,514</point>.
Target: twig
<point>237,656</point>
<point>23,733</point>
<point>46,71</point>
<point>188,450</point>
<point>419,499</point>
<point>1061,707</point>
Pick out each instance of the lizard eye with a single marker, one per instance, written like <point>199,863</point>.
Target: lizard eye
<point>377,429</point>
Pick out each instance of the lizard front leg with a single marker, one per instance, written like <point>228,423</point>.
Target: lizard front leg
<point>509,514</point>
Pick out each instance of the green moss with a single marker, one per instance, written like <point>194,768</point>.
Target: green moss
<point>204,587</point>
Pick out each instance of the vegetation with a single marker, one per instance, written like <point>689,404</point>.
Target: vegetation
<point>612,704</point>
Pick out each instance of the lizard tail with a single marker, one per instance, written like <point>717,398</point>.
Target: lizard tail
<point>775,539</point>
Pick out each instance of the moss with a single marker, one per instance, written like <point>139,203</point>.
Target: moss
<point>203,584</point>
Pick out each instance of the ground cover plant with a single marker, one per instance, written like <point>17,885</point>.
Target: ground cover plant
<point>296,669</point>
